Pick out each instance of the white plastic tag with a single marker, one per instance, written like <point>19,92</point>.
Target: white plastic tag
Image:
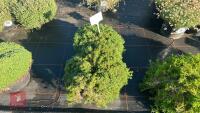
<point>95,19</point>
<point>8,23</point>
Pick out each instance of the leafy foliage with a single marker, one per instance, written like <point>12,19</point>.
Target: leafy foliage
<point>4,13</point>
<point>174,84</point>
<point>15,62</point>
<point>96,74</point>
<point>33,13</point>
<point>111,4</point>
<point>179,13</point>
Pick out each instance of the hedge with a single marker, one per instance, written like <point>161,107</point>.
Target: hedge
<point>15,62</point>
<point>96,74</point>
<point>174,84</point>
<point>111,4</point>
<point>179,13</point>
<point>33,13</point>
<point>4,13</point>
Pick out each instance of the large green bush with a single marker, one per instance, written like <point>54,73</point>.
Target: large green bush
<point>96,74</point>
<point>15,62</point>
<point>33,13</point>
<point>4,13</point>
<point>179,13</point>
<point>174,84</point>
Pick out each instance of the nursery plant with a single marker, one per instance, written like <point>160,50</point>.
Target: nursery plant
<point>4,13</point>
<point>15,62</point>
<point>96,74</point>
<point>33,13</point>
<point>109,4</point>
<point>174,84</point>
<point>179,13</point>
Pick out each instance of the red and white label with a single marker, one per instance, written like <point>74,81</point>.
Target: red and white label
<point>18,99</point>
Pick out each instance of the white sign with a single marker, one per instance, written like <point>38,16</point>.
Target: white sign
<point>8,23</point>
<point>95,19</point>
<point>181,30</point>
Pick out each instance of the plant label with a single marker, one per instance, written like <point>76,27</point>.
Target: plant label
<point>18,99</point>
<point>181,30</point>
<point>95,19</point>
<point>8,23</point>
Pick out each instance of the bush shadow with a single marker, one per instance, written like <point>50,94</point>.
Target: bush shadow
<point>51,46</point>
<point>140,13</point>
<point>193,41</point>
<point>1,40</point>
<point>139,52</point>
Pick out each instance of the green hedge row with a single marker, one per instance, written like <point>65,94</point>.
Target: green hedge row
<point>174,84</point>
<point>96,74</point>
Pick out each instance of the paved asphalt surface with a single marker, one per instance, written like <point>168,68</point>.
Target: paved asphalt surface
<point>52,46</point>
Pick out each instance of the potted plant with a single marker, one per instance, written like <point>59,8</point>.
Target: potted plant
<point>4,13</point>
<point>104,5</point>
<point>28,13</point>
<point>96,74</point>
<point>179,14</point>
<point>15,64</point>
<point>174,84</point>
<point>33,13</point>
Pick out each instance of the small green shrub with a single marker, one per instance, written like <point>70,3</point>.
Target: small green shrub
<point>4,13</point>
<point>15,62</point>
<point>96,74</point>
<point>33,13</point>
<point>174,84</point>
<point>179,13</point>
<point>111,4</point>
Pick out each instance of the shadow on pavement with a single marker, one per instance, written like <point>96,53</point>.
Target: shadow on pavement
<point>1,40</point>
<point>193,41</point>
<point>140,13</point>
<point>51,46</point>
